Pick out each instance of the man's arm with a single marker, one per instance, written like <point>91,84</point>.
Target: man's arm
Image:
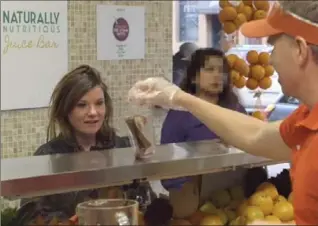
<point>244,132</point>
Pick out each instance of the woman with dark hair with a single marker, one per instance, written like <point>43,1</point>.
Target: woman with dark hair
<point>208,78</point>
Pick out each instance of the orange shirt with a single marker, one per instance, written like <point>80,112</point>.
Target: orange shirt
<point>300,132</point>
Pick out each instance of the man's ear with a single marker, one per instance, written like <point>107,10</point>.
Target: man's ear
<point>303,50</point>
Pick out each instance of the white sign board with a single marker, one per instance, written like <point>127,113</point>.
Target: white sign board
<point>120,32</point>
<point>34,51</point>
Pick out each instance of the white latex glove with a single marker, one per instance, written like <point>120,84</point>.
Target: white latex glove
<point>154,91</point>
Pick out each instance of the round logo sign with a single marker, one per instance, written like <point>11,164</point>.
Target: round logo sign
<point>121,29</point>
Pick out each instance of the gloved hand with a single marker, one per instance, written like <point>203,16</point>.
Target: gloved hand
<point>176,183</point>
<point>154,91</point>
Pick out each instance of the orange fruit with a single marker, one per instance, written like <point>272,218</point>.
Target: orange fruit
<point>252,57</point>
<point>239,20</point>
<point>269,70</point>
<point>224,3</point>
<point>259,115</point>
<point>280,198</point>
<point>242,207</point>
<point>231,58</point>
<point>248,12</point>
<point>253,213</point>
<point>240,7</point>
<point>261,5</point>
<point>251,83</point>
<point>240,83</point>
<point>196,217</point>
<point>259,14</point>
<point>284,211</point>
<point>290,197</point>
<point>264,58</point>
<point>229,27</point>
<point>249,74</point>
<point>257,72</point>
<point>248,2</point>
<point>234,75</point>
<point>241,66</point>
<point>265,83</point>
<point>211,220</point>
<point>272,219</point>
<point>263,201</point>
<point>227,14</point>
<point>269,189</point>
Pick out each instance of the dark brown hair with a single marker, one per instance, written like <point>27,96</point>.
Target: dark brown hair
<point>227,97</point>
<point>69,90</point>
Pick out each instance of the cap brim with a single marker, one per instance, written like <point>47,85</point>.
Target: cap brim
<point>258,29</point>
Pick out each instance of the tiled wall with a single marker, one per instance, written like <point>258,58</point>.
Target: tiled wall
<point>24,130</point>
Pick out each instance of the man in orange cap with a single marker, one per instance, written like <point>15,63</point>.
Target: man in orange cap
<point>292,28</point>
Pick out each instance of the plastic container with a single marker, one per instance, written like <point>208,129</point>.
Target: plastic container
<point>108,212</point>
<point>141,133</point>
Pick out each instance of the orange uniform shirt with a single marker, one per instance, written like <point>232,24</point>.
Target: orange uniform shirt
<point>300,132</point>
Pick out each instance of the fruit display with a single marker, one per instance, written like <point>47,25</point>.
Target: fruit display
<point>258,198</point>
<point>239,70</point>
<point>260,70</point>
<point>253,73</point>
<point>235,13</point>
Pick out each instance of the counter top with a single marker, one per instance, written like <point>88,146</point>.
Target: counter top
<point>50,174</point>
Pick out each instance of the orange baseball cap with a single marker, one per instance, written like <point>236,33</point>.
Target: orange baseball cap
<point>279,21</point>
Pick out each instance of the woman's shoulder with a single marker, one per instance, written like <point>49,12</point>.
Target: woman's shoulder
<point>59,145</point>
<point>178,114</point>
<point>54,146</point>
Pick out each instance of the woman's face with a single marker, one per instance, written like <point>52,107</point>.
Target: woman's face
<point>88,114</point>
<point>210,77</point>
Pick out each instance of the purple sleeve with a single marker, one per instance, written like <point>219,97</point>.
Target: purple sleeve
<point>241,109</point>
<point>172,130</point>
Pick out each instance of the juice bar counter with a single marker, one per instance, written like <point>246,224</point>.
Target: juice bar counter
<point>44,175</point>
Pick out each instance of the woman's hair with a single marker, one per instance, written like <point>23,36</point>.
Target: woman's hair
<point>227,97</point>
<point>70,89</point>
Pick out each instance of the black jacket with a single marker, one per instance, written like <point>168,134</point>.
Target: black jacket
<point>63,205</point>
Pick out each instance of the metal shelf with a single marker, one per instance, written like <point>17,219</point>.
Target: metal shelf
<point>51,174</point>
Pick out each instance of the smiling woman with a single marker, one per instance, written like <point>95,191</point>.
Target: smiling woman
<point>80,118</point>
<point>81,112</point>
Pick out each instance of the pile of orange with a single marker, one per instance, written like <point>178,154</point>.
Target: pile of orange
<point>239,70</point>
<point>233,16</point>
<point>260,70</point>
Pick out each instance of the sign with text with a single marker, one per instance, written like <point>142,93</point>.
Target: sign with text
<point>34,51</point>
<point>120,32</point>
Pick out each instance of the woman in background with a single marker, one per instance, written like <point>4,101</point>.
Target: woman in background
<point>80,118</point>
<point>208,78</point>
